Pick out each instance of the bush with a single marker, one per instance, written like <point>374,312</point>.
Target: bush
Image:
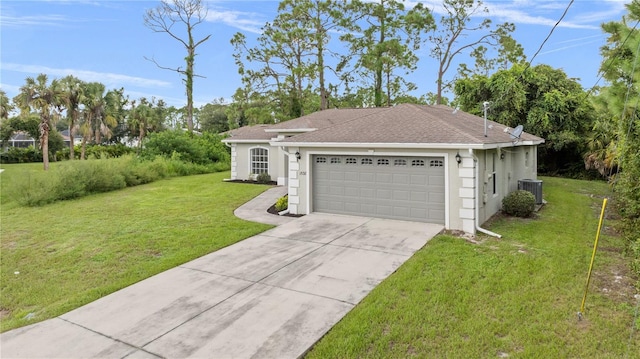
<point>282,203</point>
<point>519,203</point>
<point>199,149</point>
<point>21,155</point>
<point>73,179</point>
<point>263,178</point>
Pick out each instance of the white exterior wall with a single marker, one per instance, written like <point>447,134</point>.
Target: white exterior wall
<point>241,160</point>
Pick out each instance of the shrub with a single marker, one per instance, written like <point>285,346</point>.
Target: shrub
<point>263,178</point>
<point>282,203</point>
<point>21,155</point>
<point>519,203</point>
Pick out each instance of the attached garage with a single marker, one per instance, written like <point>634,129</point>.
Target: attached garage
<point>394,187</point>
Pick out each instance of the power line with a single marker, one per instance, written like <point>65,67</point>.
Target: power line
<point>547,38</point>
<point>612,60</point>
<point>566,10</point>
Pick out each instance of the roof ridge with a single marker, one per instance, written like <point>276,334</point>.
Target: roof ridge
<point>445,123</point>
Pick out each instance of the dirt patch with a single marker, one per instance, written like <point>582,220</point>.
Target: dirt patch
<point>616,282</point>
<point>4,312</point>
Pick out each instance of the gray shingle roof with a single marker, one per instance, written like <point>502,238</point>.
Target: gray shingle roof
<point>416,124</point>
<point>401,124</point>
<point>249,133</point>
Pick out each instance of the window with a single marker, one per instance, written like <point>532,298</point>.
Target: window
<point>417,163</point>
<point>366,161</point>
<point>383,162</point>
<point>399,162</point>
<point>436,163</point>
<point>351,161</point>
<point>491,165</point>
<point>335,160</point>
<point>259,160</point>
<point>321,160</point>
<point>526,159</point>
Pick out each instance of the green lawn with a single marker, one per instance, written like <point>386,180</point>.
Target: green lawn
<point>517,296</point>
<point>58,257</point>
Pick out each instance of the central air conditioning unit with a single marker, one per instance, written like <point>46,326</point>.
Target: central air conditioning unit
<point>533,186</point>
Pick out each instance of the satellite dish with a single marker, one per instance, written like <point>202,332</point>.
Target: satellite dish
<point>515,135</point>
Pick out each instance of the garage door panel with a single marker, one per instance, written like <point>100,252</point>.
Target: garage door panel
<point>436,180</point>
<point>399,178</point>
<point>435,197</point>
<point>384,194</point>
<point>401,195</point>
<point>351,176</point>
<point>419,180</point>
<point>367,193</point>
<point>407,188</point>
<point>384,178</point>
<point>336,176</point>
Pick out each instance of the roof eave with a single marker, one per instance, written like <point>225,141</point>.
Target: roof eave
<point>230,140</point>
<point>444,146</point>
<point>289,130</point>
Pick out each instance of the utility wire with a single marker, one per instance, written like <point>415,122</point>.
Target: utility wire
<point>538,51</point>
<point>547,38</point>
<point>612,60</point>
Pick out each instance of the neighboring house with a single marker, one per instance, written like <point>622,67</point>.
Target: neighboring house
<point>21,139</point>
<point>408,162</point>
<point>77,139</point>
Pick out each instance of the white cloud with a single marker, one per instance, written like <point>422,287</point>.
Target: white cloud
<point>33,20</point>
<point>238,19</point>
<point>109,79</point>
<point>537,12</point>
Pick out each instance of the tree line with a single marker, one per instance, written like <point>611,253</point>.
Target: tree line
<point>98,116</point>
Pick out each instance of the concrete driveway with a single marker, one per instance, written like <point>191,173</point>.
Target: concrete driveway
<point>270,296</point>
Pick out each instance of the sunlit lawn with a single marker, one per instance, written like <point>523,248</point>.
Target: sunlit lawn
<point>517,296</point>
<point>60,256</point>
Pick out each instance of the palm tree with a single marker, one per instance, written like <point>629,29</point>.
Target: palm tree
<point>97,119</point>
<point>43,98</point>
<point>72,95</point>
<point>5,106</point>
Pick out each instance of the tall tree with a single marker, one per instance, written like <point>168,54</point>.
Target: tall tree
<point>72,95</point>
<point>189,13</point>
<point>318,19</point>
<point>146,116</point>
<point>384,43</point>
<point>447,42</point>
<point>43,97</point>
<point>5,106</point>
<point>98,116</point>
<point>621,98</point>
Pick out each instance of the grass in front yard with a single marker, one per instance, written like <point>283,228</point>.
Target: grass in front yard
<point>517,296</point>
<point>70,253</point>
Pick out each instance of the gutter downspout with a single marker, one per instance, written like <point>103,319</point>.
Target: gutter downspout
<point>477,195</point>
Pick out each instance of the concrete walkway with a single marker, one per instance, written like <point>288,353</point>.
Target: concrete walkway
<point>270,296</point>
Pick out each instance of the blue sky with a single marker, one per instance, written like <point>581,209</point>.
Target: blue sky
<point>106,41</point>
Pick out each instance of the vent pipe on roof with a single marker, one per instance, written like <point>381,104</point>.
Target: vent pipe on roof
<point>486,106</point>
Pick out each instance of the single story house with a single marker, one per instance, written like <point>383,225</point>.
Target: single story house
<point>408,162</point>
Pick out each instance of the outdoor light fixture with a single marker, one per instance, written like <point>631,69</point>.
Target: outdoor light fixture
<point>298,156</point>
<point>458,158</point>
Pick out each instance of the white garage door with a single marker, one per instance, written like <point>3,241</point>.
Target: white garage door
<point>405,188</point>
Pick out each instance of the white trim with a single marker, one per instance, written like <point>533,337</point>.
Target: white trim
<point>444,155</point>
<point>435,146</point>
<point>288,130</point>
<point>251,159</point>
<point>226,140</point>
